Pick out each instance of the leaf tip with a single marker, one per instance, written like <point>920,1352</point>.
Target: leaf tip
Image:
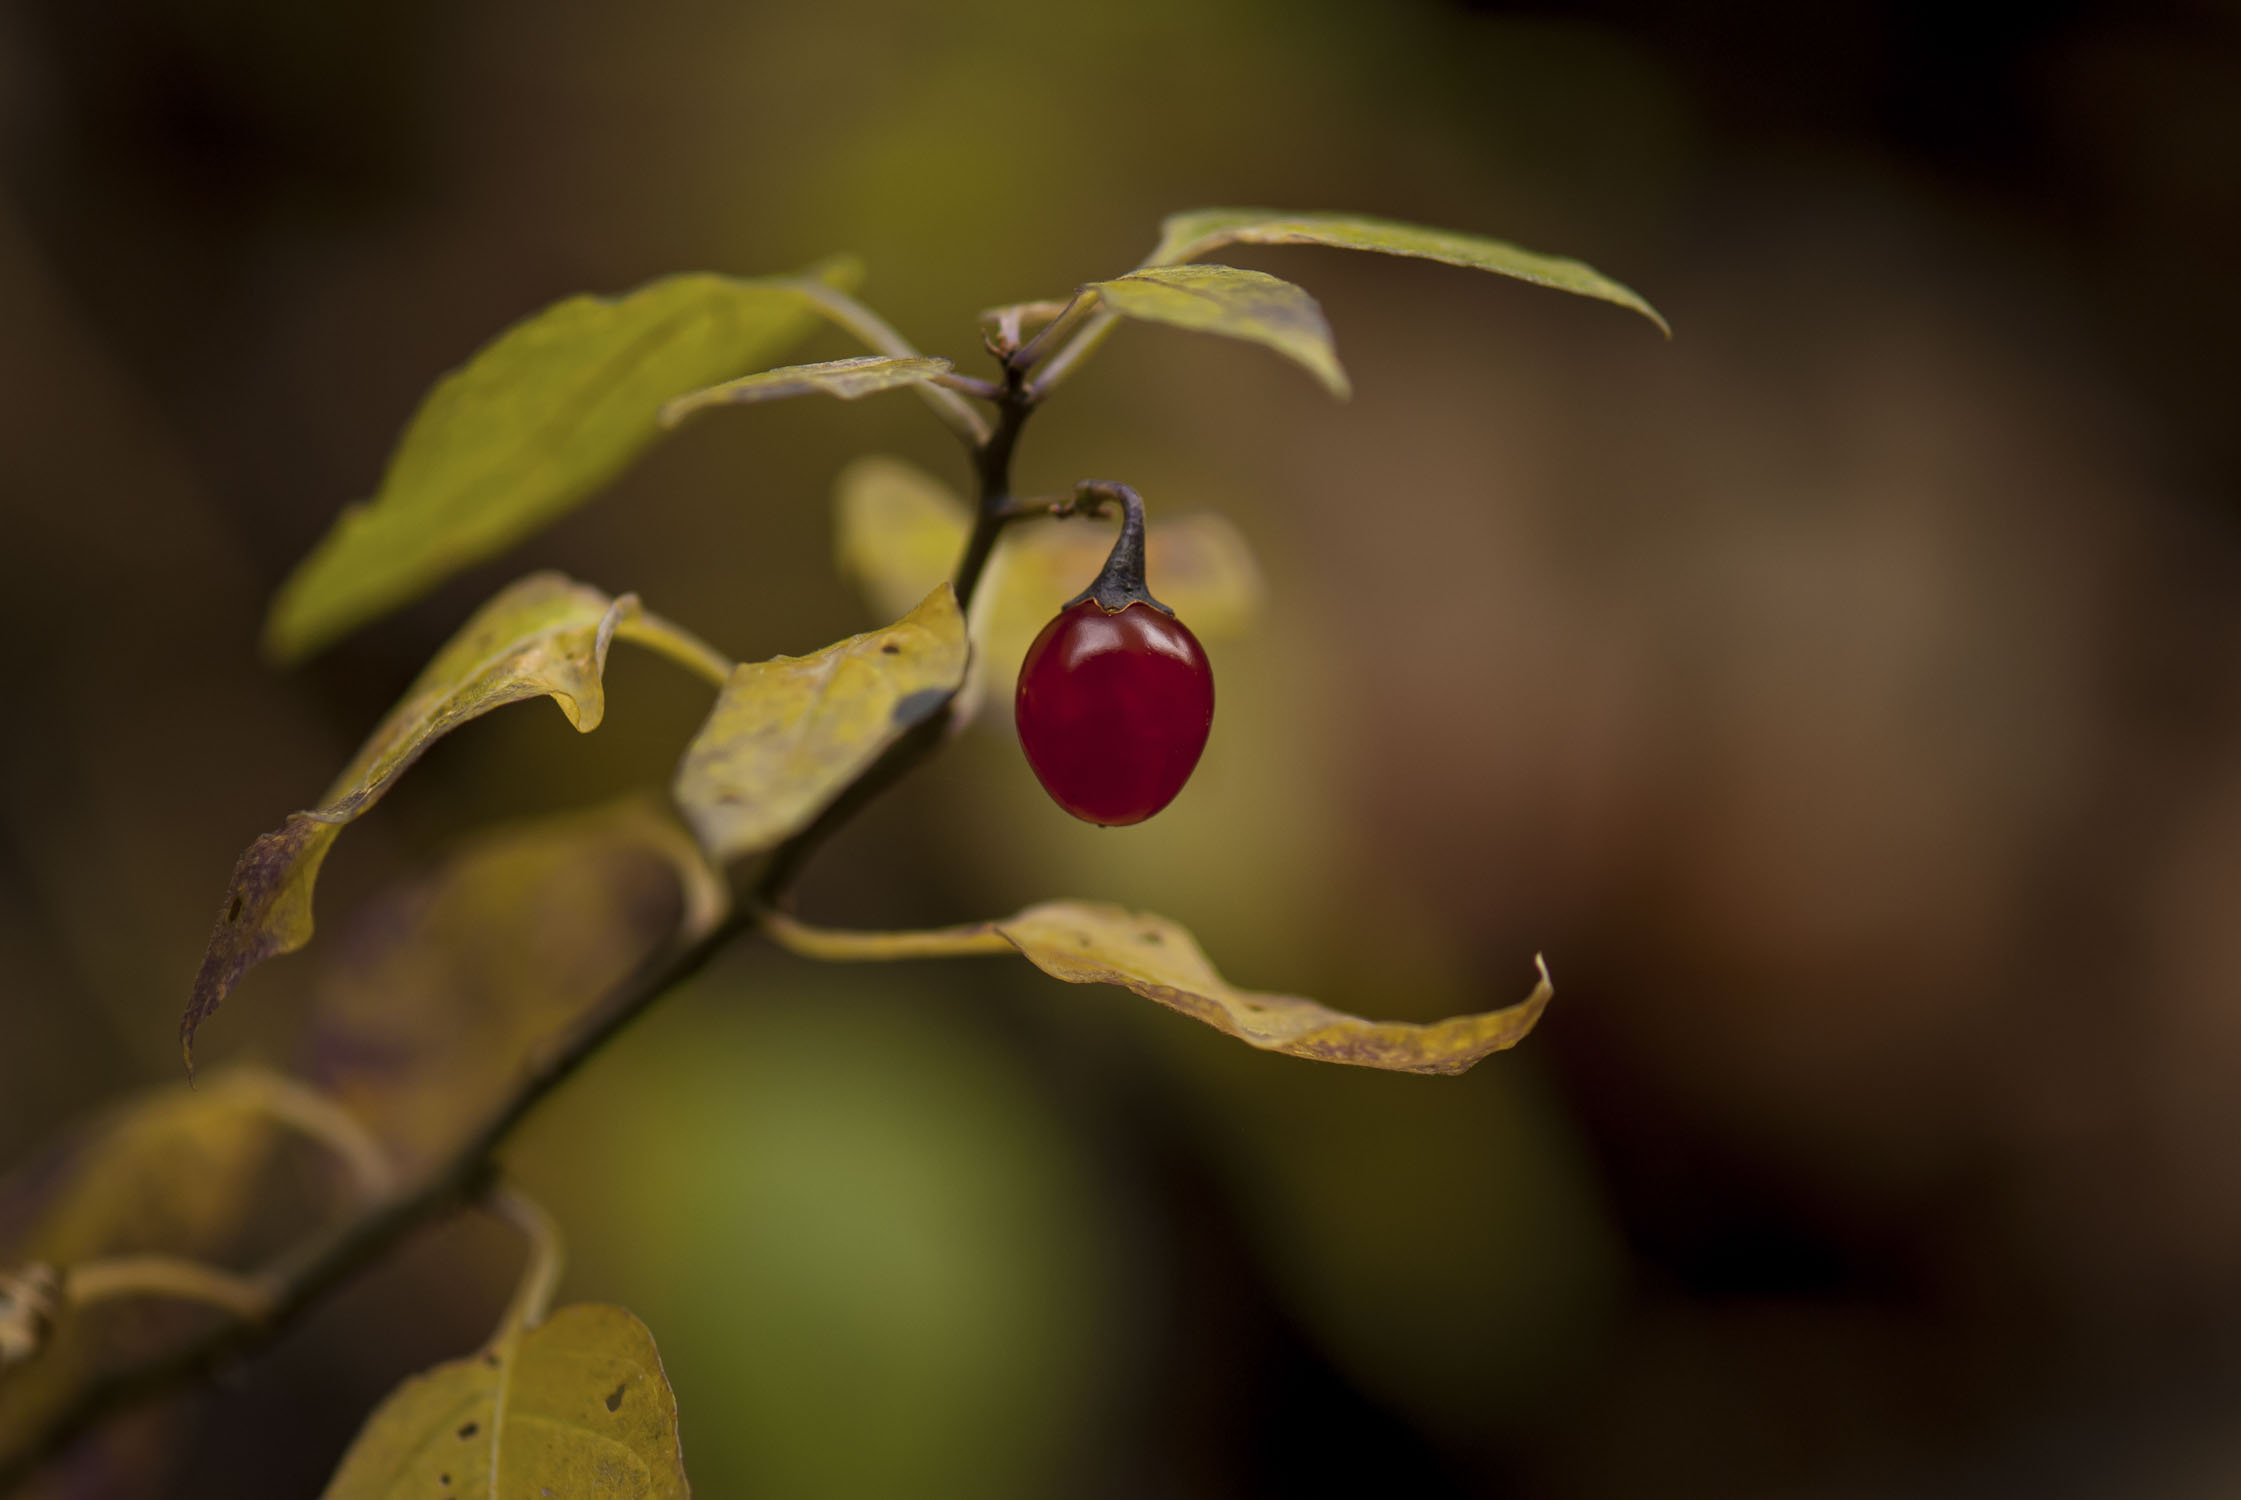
<point>286,637</point>
<point>842,271</point>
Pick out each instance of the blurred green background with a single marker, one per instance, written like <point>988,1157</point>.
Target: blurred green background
<point>1842,696</point>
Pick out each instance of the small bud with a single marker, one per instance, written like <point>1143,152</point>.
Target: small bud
<point>28,1299</point>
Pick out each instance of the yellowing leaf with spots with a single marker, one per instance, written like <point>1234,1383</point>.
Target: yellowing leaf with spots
<point>789,735</point>
<point>576,1406</point>
<point>1187,236</point>
<point>544,636</point>
<point>1085,942</point>
<point>1249,305</point>
<point>899,531</point>
<point>538,420</point>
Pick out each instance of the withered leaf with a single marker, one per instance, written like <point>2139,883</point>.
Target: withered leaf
<point>1086,942</point>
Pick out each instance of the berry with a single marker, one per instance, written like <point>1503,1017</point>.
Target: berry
<point>1113,709</point>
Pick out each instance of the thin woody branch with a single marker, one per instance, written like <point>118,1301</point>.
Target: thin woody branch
<point>285,1291</point>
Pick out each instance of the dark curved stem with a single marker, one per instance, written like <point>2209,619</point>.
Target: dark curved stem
<point>1121,583</point>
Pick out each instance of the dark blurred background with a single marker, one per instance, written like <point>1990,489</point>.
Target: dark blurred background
<point>1842,696</point>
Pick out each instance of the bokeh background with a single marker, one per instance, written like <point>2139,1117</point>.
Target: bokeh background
<point>1843,697</point>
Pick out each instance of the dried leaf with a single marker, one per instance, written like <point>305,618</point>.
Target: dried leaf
<point>789,735</point>
<point>1085,942</point>
<point>1187,236</point>
<point>537,421</point>
<point>848,379</point>
<point>442,993</point>
<point>898,532</point>
<point>1249,305</point>
<point>543,636</point>
<point>578,1406</point>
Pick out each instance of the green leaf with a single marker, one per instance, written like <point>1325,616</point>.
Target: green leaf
<point>575,1406</point>
<point>899,532</point>
<point>848,379</point>
<point>443,992</point>
<point>789,735</point>
<point>544,636</point>
<point>1186,236</point>
<point>1250,305</point>
<point>540,418</point>
<point>1085,942</point>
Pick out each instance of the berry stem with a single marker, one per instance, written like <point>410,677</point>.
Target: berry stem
<point>1122,581</point>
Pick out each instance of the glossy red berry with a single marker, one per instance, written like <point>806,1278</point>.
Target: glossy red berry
<point>1113,710</point>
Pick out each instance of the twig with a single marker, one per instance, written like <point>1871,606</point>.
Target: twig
<point>301,1279</point>
<point>305,1276</point>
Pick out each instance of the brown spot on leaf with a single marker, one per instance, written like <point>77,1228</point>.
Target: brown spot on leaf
<point>890,649</point>
<point>614,1397</point>
<point>468,1430</point>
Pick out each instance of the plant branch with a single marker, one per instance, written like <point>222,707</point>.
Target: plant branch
<point>992,466</point>
<point>306,1275</point>
<point>994,510</point>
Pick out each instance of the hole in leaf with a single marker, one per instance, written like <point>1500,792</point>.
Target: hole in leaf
<point>233,908</point>
<point>443,1479</point>
<point>890,649</point>
<point>614,1397</point>
<point>468,1430</point>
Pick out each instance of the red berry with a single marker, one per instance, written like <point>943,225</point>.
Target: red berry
<point>1113,710</point>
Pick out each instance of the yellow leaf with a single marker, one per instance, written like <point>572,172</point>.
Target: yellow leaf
<point>443,992</point>
<point>899,531</point>
<point>788,735</point>
<point>848,379</point>
<point>1186,236</point>
<point>1085,942</point>
<point>540,418</point>
<point>176,1172</point>
<point>544,636</point>
<point>1249,305</point>
<point>576,1406</point>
